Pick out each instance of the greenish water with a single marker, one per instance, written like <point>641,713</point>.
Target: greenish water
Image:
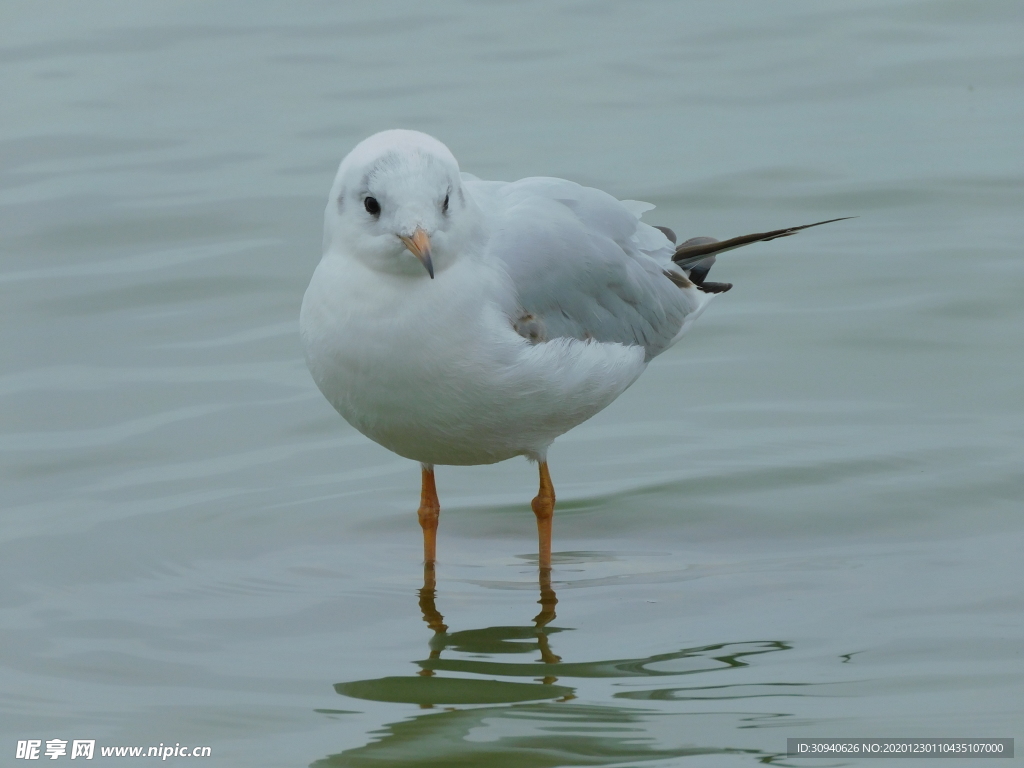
<point>804,520</point>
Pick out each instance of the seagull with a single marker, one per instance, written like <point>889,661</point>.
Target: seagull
<point>457,321</point>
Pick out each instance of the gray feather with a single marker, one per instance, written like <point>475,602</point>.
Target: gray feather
<point>584,266</point>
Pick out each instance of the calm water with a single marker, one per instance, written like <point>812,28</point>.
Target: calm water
<point>805,520</point>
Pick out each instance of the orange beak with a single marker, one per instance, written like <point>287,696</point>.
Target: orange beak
<point>419,244</point>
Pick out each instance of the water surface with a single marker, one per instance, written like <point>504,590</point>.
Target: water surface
<point>804,520</point>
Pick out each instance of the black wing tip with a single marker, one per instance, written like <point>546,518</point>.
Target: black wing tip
<point>694,252</point>
<point>708,287</point>
<point>794,230</point>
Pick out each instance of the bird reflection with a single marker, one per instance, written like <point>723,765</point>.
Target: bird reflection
<point>441,640</point>
<point>484,706</point>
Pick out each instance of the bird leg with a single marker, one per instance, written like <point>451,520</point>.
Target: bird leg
<point>429,511</point>
<point>544,508</point>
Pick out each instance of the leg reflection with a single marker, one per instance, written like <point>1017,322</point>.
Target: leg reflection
<point>431,615</point>
<point>441,640</point>
<point>548,601</point>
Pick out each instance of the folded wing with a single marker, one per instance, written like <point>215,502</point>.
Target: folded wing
<point>584,266</point>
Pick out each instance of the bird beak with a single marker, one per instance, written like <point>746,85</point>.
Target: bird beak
<point>419,244</point>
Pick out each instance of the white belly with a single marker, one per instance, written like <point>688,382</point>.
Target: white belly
<point>433,370</point>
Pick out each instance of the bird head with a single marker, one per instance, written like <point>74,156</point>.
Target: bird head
<point>398,205</point>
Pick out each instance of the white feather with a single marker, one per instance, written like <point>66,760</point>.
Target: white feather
<point>434,370</point>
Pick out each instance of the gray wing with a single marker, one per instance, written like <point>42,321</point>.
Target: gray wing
<point>584,266</point>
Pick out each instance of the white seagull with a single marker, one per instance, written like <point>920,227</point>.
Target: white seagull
<point>460,321</point>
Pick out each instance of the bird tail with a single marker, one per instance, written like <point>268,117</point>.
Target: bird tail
<point>697,255</point>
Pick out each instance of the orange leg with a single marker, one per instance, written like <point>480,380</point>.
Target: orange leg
<point>428,513</point>
<point>544,508</point>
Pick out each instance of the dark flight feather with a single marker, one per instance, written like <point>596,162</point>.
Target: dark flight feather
<point>690,253</point>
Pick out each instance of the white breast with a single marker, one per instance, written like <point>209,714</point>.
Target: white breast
<point>433,370</point>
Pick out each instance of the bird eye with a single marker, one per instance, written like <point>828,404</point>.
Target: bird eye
<point>445,206</point>
<point>372,206</point>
